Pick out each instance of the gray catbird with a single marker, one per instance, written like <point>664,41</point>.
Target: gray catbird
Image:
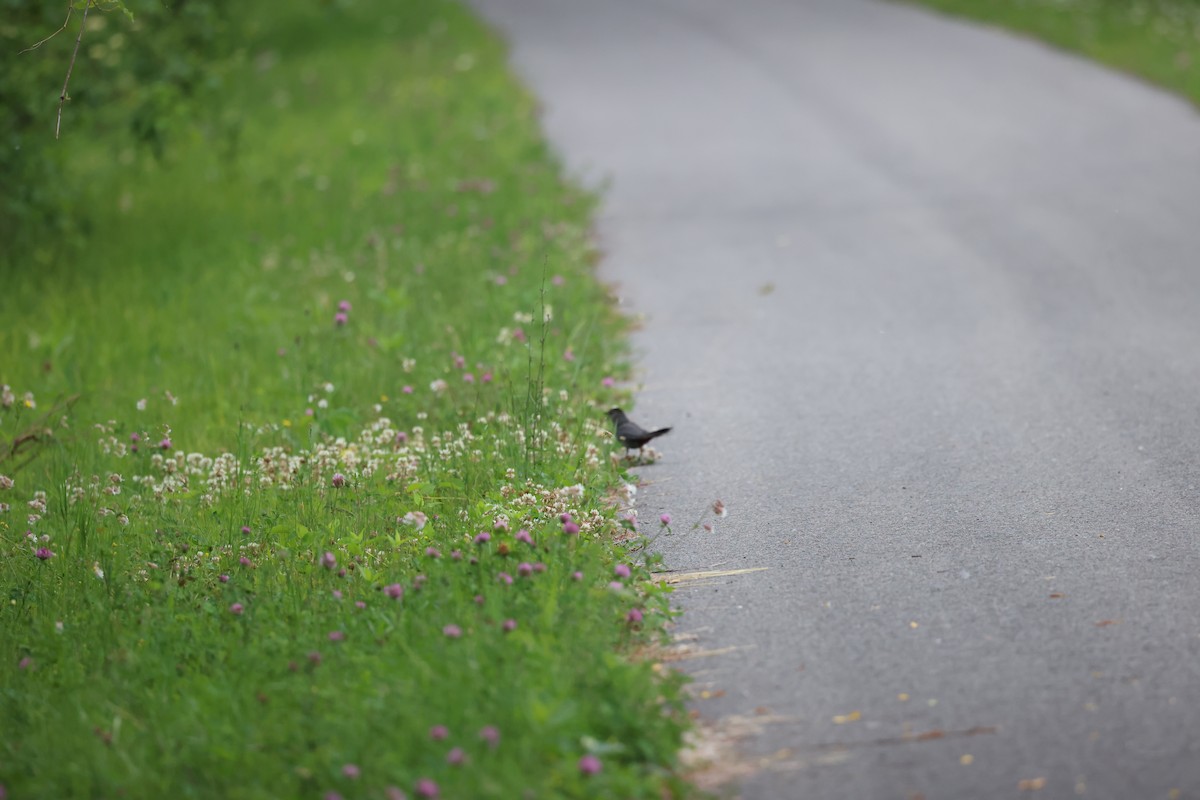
<point>630,433</point>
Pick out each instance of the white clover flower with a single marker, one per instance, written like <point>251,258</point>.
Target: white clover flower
<point>6,482</point>
<point>573,491</point>
<point>7,398</point>
<point>523,317</point>
<point>438,386</point>
<point>408,364</point>
<point>328,387</point>
<point>141,404</point>
<point>415,518</point>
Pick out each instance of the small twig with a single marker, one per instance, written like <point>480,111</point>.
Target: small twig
<point>51,36</point>
<point>62,98</point>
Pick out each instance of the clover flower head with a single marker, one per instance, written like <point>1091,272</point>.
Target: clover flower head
<point>490,734</point>
<point>589,765</point>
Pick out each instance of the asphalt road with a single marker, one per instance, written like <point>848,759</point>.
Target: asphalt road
<point>923,303</point>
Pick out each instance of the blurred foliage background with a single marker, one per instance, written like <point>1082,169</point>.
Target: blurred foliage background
<point>145,66</point>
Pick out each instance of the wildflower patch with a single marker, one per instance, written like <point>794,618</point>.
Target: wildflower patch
<point>306,488</point>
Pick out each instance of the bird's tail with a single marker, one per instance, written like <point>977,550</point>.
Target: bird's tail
<point>657,433</point>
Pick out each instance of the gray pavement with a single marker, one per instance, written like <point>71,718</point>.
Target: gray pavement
<point>923,304</point>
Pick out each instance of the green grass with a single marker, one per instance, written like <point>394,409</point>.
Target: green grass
<point>1158,40</point>
<point>187,638</point>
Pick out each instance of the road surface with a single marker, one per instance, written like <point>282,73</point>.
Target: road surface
<point>922,302</point>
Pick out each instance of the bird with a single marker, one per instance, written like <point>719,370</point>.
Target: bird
<point>631,434</point>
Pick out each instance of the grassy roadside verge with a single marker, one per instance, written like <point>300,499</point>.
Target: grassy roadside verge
<point>1157,40</point>
<point>301,534</point>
